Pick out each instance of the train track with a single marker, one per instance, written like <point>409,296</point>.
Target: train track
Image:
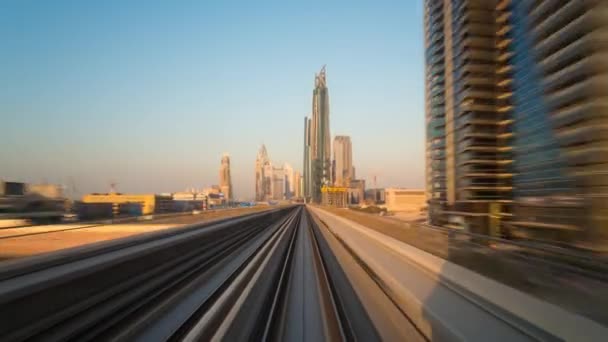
<point>261,277</point>
<point>270,276</point>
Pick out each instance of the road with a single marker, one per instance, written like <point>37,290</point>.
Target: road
<point>290,274</point>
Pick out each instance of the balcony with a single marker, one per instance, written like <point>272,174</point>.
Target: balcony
<point>475,29</point>
<point>568,75</point>
<point>561,38</point>
<point>588,110</point>
<point>505,95</point>
<point>544,9</point>
<point>505,56</point>
<point>474,55</point>
<point>474,93</point>
<point>471,106</point>
<point>503,70</point>
<point>435,60</point>
<point>471,80</point>
<point>504,109</point>
<point>568,54</point>
<point>503,17</point>
<point>477,42</point>
<point>498,175</point>
<point>575,92</point>
<point>586,155</point>
<point>504,83</point>
<point>558,19</point>
<point>477,148</point>
<point>503,4</point>
<point>482,68</point>
<point>503,43</point>
<point>496,162</point>
<point>583,132</point>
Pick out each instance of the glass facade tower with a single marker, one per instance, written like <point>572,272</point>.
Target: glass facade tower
<point>516,112</point>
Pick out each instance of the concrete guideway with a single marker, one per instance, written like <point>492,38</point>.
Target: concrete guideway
<point>448,302</point>
<point>288,274</point>
<point>268,276</point>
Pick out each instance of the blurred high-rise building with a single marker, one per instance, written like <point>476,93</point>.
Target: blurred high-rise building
<point>289,180</point>
<point>343,159</point>
<point>225,180</point>
<point>297,184</point>
<point>268,185</point>
<point>307,171</point>
<point>260,177</point>
<point>278,183</point>
<point>516,113</point>
<point>320,136</point>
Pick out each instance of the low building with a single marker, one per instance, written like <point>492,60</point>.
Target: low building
<point>356,191</point>
<point>187,201</point>
<point>375,196</point>
<point>46,190</point>
<point>150,203</point>
<point>399,199</point>
<point>334,196</point>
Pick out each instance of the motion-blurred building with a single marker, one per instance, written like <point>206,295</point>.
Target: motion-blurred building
<point>398,199</point>
<point>320,137</point>
<point>289,180</point>
<point>225,179</point>
<point>189,200</point>
<point>149,203</point>
<point>297,185</point>
<point>356,191</point>
<point>516,110</point>
<point>334,196</point>
<point>307,171</point>
<point>261,178</point>
<point>343,160</point>
<point>273,182</point>
<point>375,196</point>
<point>215,196</point>
<point>278,183</point>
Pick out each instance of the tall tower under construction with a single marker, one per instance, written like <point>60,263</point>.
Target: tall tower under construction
<point>320,137</point>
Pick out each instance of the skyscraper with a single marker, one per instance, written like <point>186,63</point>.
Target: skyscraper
<point>278,183</point>
<point>297,184</point>
<point>343,159</point>
<point>225,180</point>
<point>307,171</point>
<point>289,181</point>
<point>516,97</point>
<point>260,176</point>
<point>320,136</point>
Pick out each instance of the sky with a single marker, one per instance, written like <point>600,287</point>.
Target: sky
<point>150,94</point>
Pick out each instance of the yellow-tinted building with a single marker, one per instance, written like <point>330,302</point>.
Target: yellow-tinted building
<point>404,199</point>
<point>334,196</point>
<point>150,203</point>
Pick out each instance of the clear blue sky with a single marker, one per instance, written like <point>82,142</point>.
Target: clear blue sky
<point>149,94</point>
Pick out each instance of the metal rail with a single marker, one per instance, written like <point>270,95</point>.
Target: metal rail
<point>267,276</point>
<point>263,276</point>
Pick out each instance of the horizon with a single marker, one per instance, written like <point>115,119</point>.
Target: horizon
<point>150,97</point>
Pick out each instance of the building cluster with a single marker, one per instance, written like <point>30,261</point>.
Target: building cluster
<point>116,204</point>
<point>325,179</point>
<point>225,178</point>
<point>516,115</point>
<point>275,182</point>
